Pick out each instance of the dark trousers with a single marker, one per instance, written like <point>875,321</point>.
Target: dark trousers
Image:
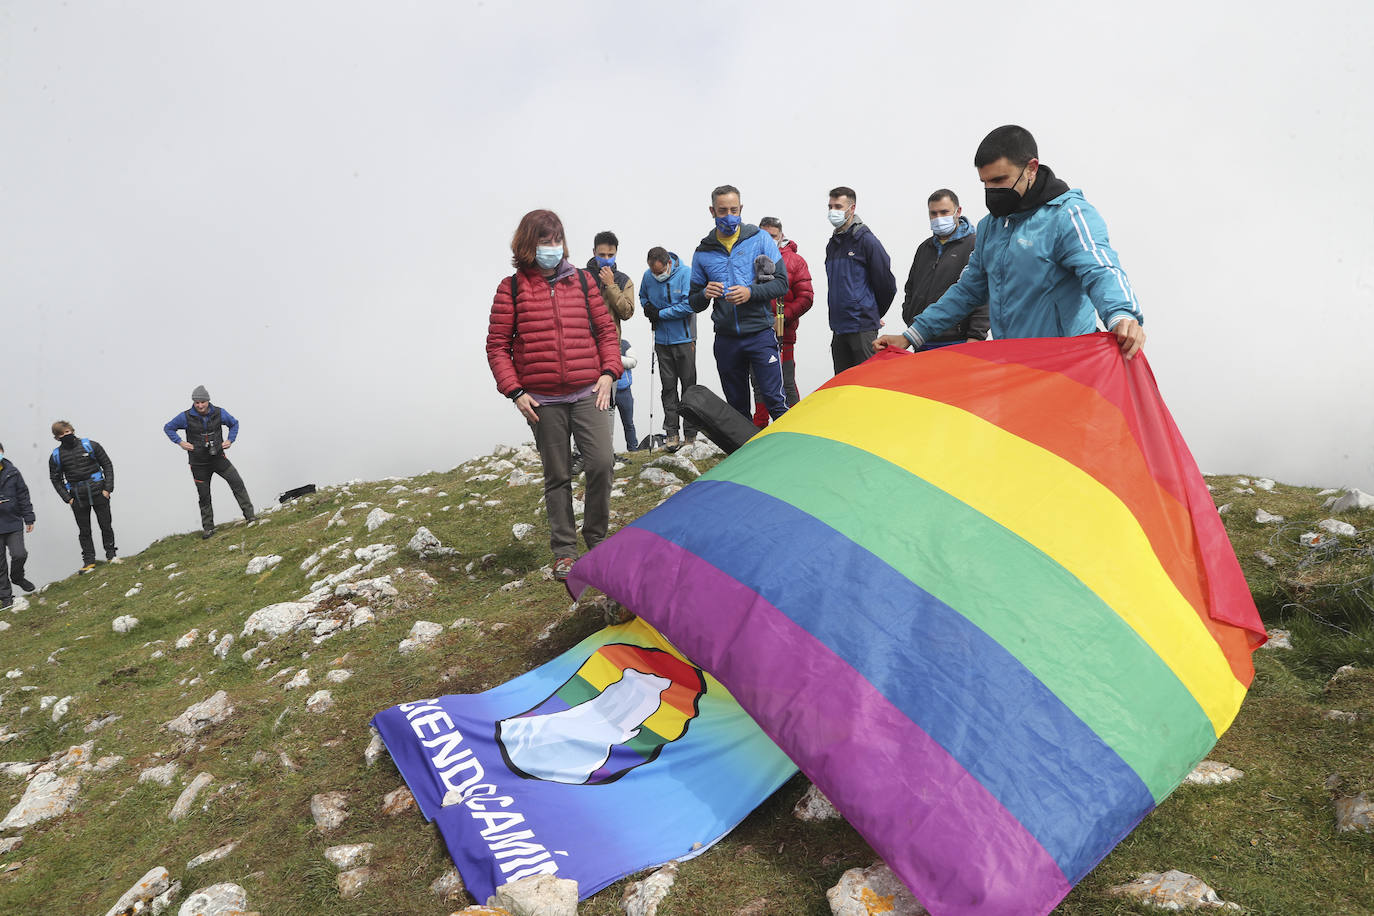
<point>591,429</point>
<point>203,472</point>
<point>736,356</point>
<point>789,390</point>
<point>81,509</point>
<point>848,350</point>
<point>13,545</point>
<point>678,365</point>
<point>625,406</point>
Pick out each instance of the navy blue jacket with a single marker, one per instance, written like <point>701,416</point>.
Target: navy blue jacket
<point>859,278</point>
<point>712,263</point>
<point>16,509</point>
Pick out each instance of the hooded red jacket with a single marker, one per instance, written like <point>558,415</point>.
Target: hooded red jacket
<point>554,340</point>
<point>799,296</point>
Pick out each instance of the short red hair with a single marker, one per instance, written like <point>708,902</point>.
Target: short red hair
<point>535,225</point>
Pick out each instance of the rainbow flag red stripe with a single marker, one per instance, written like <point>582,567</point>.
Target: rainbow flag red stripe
<point>981,596</point>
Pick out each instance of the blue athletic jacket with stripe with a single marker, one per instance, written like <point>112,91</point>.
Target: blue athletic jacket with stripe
<point>1046,272</point>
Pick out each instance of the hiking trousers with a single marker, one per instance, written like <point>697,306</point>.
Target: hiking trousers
<point>202,472</point>
<point>625,406</point>
<point>11,544</point>
<point>736,356</point>
<point>82,505</point>
<point>848,350</point>
<point>558,425</point>
<point>677,364</point>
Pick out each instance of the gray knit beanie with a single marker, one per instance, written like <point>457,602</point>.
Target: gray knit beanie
<point>200,394</point>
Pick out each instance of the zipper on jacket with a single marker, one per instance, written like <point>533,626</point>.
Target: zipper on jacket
<point>558,326</point>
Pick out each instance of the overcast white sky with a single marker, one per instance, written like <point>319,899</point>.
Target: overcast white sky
<point>307,206</point>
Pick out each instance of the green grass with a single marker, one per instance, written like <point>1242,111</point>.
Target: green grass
<point>1267,842</point>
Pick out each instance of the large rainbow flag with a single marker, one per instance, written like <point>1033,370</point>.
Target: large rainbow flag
<point>980,595</point>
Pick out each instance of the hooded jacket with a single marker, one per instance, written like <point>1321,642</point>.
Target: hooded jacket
<point>711,263</point>
<point>800,295</point>
<point>1047,270</point>
<point>860,285</point>
<point>665,304</point>
<point>16,508</point>
<point>554,340</point>
<point>935,268</point>
<point>73,471</point>
<point>619,297</point>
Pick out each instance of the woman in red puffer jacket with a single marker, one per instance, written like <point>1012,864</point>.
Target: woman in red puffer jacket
<point>553,350</point>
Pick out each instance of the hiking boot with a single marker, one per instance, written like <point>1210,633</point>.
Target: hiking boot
<point>561,567</point>
<point>207,534</point>
<point>23,583</point>
<point>88,568</point>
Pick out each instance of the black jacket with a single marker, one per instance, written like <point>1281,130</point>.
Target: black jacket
<point>934,270</point>
<point>72,471</point>
<point>16,509</point>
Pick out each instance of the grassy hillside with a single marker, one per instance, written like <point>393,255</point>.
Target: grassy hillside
<point>1267,842</point>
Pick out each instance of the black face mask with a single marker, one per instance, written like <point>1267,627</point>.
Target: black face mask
<point>1003,201</point>
<point>68,440</point>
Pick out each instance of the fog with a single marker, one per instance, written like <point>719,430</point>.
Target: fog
<point>307,207</point>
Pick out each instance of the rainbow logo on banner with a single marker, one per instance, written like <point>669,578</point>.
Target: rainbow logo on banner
<point>980,595</point>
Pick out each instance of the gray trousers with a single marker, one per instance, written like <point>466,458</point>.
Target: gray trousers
<point>677,363</point>
<point>848,350</point>
<point>559,425</point>
<point>13,568</point>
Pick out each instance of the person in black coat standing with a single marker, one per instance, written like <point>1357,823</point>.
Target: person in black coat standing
<point>205,444</point>
<point>939,261</point>
<point>83,476</point>
<point>16,517</point>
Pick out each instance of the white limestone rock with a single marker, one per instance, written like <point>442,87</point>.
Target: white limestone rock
<point>1335,526</point>
<point>329,810</point>
<point>1343,672</point>
<point>1355,813</point>
<point>427,544</point>
<point>349,855</point>
<point>1352,499</point>
<point>540,895</point>
<point>377,518</point>
<point>188,796</point>
<point>1264,518</point>
<point>658,477</point>
<point>188,639</point>
<point>153,884</point>
<point>302,679</point>
<point>643,897</point>
<point>338,675</point>
<point>1278,639</point>
<point>520,478</point>
<point>203,715</point>
<point>261,564</point>
<point>134,591</point>
<point>124,623</point>
<point>361,617</point>
<point>521,530</point>
<point>376,747</point>
<point>448,887</point>
<point>320,701</point>
<point>222,647</point>
<point>700,450</point>
<point>162,775</point>
<point>1264,483</point>
<point>422,634</point>
<point>214,855</point>
<point>1212,773</point>
<point>47,795</point>
<point>216,900</point>
<point>860,889</point>
<point>814,806</point>
<point>678,461</point>
<point>1172,890</point>
<point>1264,558</point>
<point>59,709</point>
<point>352,882</point>
<point>277,619</point>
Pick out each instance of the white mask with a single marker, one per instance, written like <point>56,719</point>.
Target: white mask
<point>943,225</point>
<point>837,217</point>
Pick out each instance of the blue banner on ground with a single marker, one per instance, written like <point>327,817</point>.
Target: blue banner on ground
<point>616,756</point>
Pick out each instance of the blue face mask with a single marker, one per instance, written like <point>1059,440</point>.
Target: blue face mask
<point>605,262</point>
<point>548,256</point>
<point>727,225</point>
<point>942,225</point>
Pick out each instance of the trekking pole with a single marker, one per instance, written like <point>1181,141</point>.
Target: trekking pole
<point>652,356</point>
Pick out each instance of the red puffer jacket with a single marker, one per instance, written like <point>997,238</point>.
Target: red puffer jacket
<point>799,296</point>
<point>545,343</point>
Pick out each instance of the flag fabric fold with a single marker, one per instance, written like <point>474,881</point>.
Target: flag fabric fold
<point>980,595</point>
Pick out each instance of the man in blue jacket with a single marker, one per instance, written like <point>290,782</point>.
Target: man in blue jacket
<point>1042,261</point>
<point>737,272</point>
<point>205,444</point>
<point>663,294</point>
<point>16,517</point>
<point>860,285</point>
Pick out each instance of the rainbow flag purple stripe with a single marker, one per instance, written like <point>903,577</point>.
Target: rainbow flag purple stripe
<point>980,596</point>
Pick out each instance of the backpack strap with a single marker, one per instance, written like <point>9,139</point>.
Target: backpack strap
<point>587,298</point>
